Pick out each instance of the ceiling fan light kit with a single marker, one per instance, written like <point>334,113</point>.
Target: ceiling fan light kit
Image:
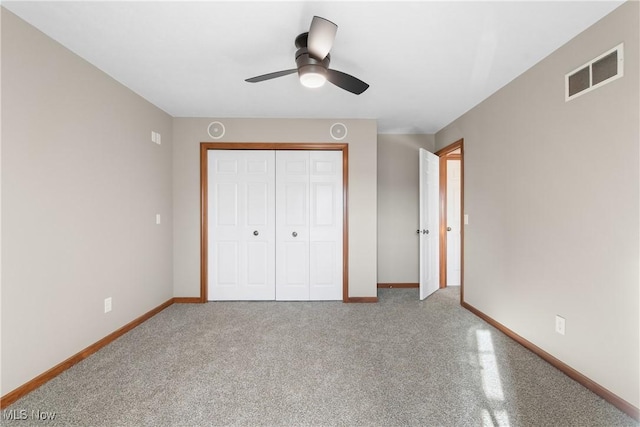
<point>312,77</point>
<point>312,60</point>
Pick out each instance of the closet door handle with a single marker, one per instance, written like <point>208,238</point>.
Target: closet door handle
<point>255,233</point>
<point>294,234</point>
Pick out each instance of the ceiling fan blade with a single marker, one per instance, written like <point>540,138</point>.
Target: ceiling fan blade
<point>346,81</point>
<point>271,75</point>
<point>322,33</point>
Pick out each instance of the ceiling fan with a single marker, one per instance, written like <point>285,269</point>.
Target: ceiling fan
<point>312,60</point>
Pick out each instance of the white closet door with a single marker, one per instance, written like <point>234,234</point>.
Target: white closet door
<point>325,228</point>
<point>292,225</point>
<point>241,225</point>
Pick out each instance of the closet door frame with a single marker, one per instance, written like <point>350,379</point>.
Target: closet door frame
<point>204,202</point>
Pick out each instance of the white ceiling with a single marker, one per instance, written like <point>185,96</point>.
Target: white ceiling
<point>427,62</point>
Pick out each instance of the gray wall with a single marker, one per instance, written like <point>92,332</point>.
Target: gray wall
<point>398,210</point>
<point>81,184</point>
<point>552,194</point>
<point>361,137</point>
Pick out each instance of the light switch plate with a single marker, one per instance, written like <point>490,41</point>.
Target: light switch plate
<point>560,325</point>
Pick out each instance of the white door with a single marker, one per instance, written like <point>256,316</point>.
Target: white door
<point>325,225</point>
<point>292,225</point>
<point>241,225</point>
<point>429,223</point>
<point>309,203</point>
<point>453,222</point>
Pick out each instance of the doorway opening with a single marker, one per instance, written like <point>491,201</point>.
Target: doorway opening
<point>452,223</point>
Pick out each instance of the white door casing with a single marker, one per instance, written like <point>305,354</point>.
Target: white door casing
<point>241,225</point>
<point>453,222</point>
<point>429,223</point>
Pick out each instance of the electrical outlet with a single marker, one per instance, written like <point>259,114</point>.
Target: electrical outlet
<point>560,325</point>
<point>157,218</point>
<point>107,305</point>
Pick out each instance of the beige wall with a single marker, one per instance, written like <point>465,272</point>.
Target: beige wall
<point>552,194</point>
<point>552,190</point>
<point>81,184</point>
<point>361,137</point>
<point>398,210</point>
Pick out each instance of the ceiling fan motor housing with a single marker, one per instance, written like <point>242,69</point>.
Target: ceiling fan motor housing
<point>308,64</point>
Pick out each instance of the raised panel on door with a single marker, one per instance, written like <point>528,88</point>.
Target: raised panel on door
<point>241,225</point>
<point>326,225</point>
<point>224,253</point>
<point>292,225</point>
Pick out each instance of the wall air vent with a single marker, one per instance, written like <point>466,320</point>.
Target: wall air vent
<point>595,73</point>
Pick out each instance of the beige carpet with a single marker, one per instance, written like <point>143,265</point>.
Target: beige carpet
<point>400,362</point>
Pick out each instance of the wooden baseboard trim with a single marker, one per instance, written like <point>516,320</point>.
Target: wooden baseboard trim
<point>187,300</point>
<point>607,395</point>
<point>362,299</point>
<point>398,285</point>
<point>41,379</point>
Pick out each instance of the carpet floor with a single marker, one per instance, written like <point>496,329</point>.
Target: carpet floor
<point>400,362</point>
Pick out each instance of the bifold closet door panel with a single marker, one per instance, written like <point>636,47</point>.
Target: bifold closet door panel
<point>292,225</point>
<point>241,225</point>
<point>325,225</point>
<point>309,201</point>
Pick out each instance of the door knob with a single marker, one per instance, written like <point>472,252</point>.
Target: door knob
<point>448,228</point>
<point>294,234</point>
<point>418,231</point>
<point>255,233</point>
<point>425,231</point>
